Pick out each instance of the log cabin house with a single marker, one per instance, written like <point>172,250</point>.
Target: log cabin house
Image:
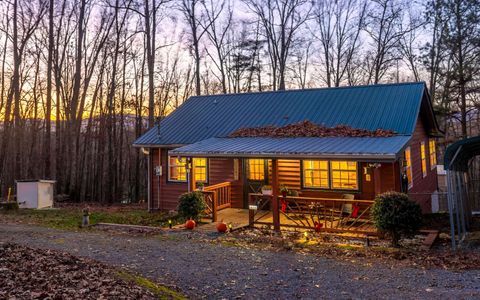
<point>332,179</point>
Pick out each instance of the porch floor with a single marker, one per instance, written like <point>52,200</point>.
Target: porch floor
<point>239,218</point>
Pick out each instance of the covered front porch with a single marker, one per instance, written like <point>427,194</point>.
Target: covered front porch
<point>314,188</point>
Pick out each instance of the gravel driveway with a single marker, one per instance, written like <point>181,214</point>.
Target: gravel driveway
<point>216,271</point>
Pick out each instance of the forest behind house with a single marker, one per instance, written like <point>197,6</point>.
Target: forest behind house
<point>80,80</point>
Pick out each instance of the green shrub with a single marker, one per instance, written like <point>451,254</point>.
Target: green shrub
<point>395,214</point>
<point>191,205</point>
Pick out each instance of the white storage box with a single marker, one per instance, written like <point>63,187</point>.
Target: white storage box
<point>35,193</point>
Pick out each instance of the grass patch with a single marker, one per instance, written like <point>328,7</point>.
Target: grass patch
<point>71,218</point>
<point>162,292</point>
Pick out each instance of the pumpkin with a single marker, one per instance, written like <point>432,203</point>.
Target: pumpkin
<point>221,227</point>
<point>190,224</point>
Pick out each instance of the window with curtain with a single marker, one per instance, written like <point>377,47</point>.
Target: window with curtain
<point>408,166</point>
<point>315,174</point>
<point>424,158</point>
<point>344,175</point>
<point>433,153</point>
<point>256,169</point>
<point>177,169</point>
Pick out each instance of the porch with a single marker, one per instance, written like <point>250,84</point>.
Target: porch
<point>334,180</point>
<point>347,215</point>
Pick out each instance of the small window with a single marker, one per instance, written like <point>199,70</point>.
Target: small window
<point>424,159</point>
<point>256,169</point>
<point>344,175</point>
<point>433,153</point>
<point>315,174</point>
<point>200,165</point>
<point>177,168</point>
<point>408,166</point>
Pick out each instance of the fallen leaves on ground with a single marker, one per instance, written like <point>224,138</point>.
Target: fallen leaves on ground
<point>309,129</point>
<point>348,248</point>
<point>27,273</point>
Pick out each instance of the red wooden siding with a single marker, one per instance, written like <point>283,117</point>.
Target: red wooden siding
<point>423,187</point>
<point>165,196</point>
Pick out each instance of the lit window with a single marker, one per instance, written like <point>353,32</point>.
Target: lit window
<point>256,169</point>
<point>344,175</point>
<point>315,174</point>
<point>408,166</point>
<point>200,165</point>
<point>424,159</point>
<point>433,153</point>
<point>177,169</point>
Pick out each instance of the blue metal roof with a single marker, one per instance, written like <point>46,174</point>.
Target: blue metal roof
<point>378,148</point>
<point>387,106</point>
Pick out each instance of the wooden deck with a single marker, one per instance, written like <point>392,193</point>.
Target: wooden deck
<point>237,217</point>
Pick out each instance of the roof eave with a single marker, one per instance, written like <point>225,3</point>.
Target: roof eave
<point>373,157</point>
<point>158,145</point>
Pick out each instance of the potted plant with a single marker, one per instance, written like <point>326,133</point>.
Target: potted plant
<point>200,186</point>
<point>284,190</point>
<point>267,190</point>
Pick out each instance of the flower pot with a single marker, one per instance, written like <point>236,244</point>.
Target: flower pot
<point>267,192</point>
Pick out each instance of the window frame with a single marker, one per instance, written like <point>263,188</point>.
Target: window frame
<point>423,159</point>
<point>303,170</point>
<point>206,169</point>
<point>186,173</point>
<point>432,154</point>
<point>349,171</point>
<point>330,188</point>
<point>408,166</point>
<point>265,170</point>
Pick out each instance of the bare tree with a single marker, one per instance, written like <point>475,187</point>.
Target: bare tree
<point>281,19</point>
<point>339,26</point>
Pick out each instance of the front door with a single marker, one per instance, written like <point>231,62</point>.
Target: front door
<point>256,176</point>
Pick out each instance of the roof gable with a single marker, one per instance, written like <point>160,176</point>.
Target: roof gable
<point>387,106</point>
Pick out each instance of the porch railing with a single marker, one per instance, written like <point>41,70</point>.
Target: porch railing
<point>217,197</point>
<point>319,214</point>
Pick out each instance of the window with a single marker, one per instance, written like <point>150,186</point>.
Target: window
<point>433,153</point>
<point>315,174</point>
<point>256,169</point>
<point>177,169</point>
<point>344,175</point>
<point>408,166</point>
<point>200,165</point>
<point>424,159</point>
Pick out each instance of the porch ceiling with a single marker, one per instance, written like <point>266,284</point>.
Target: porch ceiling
<point>361,148</point>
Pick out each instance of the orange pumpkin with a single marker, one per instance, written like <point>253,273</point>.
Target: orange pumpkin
<point>221,227</point>
<point>190,224</point>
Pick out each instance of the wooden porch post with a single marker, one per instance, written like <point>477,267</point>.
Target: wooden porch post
<point>276,214</point>
<point>377,178</point>
<point>191,175</point>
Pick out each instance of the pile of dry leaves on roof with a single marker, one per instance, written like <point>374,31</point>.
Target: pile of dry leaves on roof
<point>309,129</point>
<point>27,273</point>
